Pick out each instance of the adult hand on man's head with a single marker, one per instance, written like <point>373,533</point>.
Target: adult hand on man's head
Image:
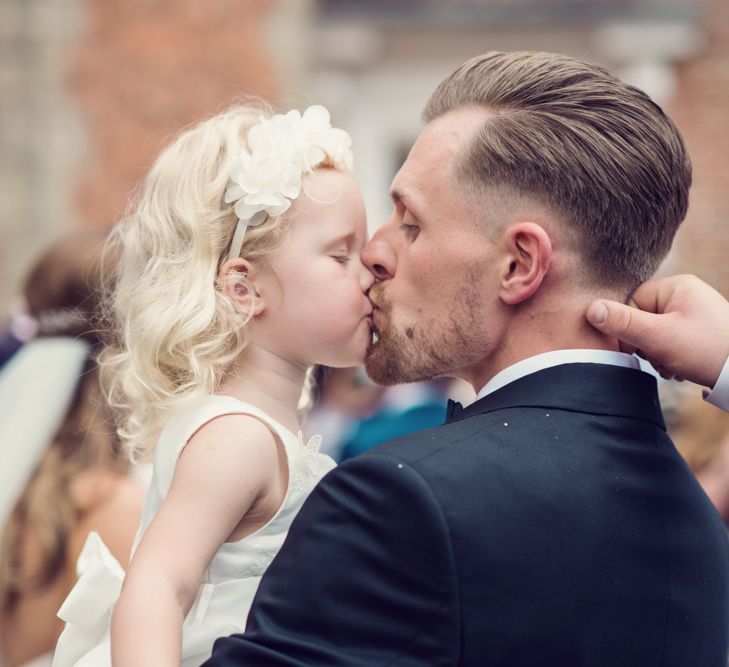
<point>679,323</point>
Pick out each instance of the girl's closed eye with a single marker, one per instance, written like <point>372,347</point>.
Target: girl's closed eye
<point>341,255</point>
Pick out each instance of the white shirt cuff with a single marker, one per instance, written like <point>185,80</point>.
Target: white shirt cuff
<point>719,395</point>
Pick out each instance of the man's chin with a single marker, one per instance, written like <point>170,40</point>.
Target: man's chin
<point>373,363</point>
<point>386,366</point>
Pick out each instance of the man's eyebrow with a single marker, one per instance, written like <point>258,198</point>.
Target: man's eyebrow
<point>399,197</point>
<point>396,195</point>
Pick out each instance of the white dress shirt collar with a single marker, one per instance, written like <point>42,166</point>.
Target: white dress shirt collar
<point>556,358</point>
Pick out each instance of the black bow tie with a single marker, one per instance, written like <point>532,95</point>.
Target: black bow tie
<point>453,409</point>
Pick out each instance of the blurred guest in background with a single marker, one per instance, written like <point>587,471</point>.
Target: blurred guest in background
<point>701,433</point>
<point>344,397</point>
<point>353,414</point>
<point>402,409</point>
<point>18,328</point>
<point>61,472</point>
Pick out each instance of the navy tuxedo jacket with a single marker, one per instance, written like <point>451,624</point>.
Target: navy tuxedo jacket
<point>550,523</point>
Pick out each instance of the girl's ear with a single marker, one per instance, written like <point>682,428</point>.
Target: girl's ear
<point>526,261</point>
<point>237,278</point>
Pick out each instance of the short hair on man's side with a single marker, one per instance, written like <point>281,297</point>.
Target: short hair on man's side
<point>571,135</point>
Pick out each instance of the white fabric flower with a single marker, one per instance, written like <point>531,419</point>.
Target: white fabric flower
<point>262,186</point>
<point>281,149</point>
<point>320,139</point>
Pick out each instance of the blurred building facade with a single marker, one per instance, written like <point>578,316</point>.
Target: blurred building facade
<point>91,89</point>
<point>701,109</point>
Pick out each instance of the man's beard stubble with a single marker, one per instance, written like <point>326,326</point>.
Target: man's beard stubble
<point>426,349</point>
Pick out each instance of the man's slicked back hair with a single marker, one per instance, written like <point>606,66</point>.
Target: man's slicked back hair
<point>569,134</point>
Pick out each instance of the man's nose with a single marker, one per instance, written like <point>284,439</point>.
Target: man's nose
<point>366,278</point>
<point>379,256</point>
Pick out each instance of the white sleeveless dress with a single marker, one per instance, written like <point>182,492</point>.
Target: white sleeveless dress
<point>231,580</point>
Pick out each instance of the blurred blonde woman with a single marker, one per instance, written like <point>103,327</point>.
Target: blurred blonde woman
<point>62,472</point>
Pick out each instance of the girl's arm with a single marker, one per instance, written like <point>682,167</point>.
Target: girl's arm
<point>229,464</point>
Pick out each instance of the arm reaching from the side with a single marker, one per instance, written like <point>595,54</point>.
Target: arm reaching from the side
<point>365,578</point>
<point>679,323</point>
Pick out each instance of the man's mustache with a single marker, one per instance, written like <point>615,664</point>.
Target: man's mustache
<point>378,298</point>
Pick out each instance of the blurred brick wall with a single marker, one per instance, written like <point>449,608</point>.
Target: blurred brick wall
<point>144,69</point>
<point>701,110</point>
<point>42,139</point>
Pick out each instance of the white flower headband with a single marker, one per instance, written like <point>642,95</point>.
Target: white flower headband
<point>267,177</point>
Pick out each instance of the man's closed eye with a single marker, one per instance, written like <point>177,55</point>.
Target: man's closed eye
<point>411,231</point>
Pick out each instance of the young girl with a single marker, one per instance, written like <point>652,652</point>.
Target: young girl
<point>239,270</point>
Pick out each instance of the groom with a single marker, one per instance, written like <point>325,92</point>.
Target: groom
<point>551,522</point>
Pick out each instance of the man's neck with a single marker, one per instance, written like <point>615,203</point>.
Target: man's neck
<point>529,336</point>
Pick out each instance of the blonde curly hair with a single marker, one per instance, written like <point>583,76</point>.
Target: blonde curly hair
<point>175,332</point>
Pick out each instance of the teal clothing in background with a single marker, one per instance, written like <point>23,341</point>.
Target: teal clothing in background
<point>391,423</point>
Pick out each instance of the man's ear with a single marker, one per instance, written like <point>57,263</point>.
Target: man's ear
<point>238,279</point>
<point>528,254</point>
